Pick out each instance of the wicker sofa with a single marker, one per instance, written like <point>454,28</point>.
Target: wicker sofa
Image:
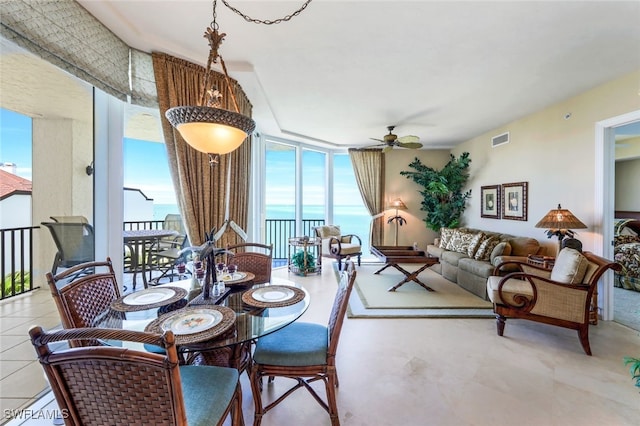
<point>468,256</point>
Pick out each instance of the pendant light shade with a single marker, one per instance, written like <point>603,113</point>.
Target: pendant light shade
<point>211,130</point>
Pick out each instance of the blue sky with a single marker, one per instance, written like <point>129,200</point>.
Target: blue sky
<point>15,141</point>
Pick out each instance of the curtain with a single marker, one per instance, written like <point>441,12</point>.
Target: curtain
<point>201,188</point>
<point>368,166</point>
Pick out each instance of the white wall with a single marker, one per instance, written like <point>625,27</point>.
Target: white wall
<point>15,211</point>
<point>628,185</point>
<point>555,155</point>
<point>137,206</point>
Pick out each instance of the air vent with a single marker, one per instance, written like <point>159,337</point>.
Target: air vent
<point>500,140</point>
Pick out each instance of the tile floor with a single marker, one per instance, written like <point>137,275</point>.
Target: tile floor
<point>405,371</point>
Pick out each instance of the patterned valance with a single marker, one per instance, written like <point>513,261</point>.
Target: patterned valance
<point>65,34</point>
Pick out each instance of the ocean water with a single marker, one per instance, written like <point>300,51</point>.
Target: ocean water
<point>352,219</point>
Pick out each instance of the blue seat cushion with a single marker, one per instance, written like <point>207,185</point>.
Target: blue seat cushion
<point>297,345</point>
<point>207,392</point>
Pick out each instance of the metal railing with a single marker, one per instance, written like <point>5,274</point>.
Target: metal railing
<point>16,261</point>
<point>142,224</point>
<point>278,232</point>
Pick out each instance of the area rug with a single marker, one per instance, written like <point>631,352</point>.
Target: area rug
<point>370,298</point>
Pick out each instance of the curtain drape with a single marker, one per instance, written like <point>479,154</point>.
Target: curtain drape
<point>368,167</point>
<point>201,189</point>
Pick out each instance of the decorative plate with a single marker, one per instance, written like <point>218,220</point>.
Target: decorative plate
<point>192,322</point>
<point>273,296</point>
<point>148,299</point>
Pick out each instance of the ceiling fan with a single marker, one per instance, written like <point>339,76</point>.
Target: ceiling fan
<point>392,140</point>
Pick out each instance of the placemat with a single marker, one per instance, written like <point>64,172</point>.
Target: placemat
<point>298,295</point>
<point>228,321</point>
<point>119,305</point>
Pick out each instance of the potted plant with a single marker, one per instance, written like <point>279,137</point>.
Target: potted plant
<point>303,262</point>
<point>443,199</point>
<point>634,369</point>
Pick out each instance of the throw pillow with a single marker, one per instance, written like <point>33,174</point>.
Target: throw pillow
<point>503,248</point>
<point>569,267</point>
<point>460,241</point>
<point>445,236</point>
<point>474,243</point>
<point>327,231</point>
<point>485,248</point>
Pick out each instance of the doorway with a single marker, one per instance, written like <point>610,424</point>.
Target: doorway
<point>605,196</point>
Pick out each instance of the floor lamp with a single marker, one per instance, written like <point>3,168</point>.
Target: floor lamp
<point>399,220</point>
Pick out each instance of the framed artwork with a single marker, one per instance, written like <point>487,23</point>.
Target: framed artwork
<point>490,201</point>
<point>514,201</point>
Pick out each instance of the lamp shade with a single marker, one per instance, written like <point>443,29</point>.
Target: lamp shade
<point>397,204</point>
<point>560,219</point>
<point>210,130</point>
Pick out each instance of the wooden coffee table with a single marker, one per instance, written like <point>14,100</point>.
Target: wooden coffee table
<point>393,255</point>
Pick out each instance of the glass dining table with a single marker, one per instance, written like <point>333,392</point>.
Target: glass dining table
<point>214,331</point>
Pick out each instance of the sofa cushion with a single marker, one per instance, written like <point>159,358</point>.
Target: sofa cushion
<point>569,267</point>
<point>485,248</point>
<point>445,236</point>
<point>476,267</point>
<point>346,249</point>
<point>452,257</point>
<point>522,246</point>
<point>474,244</point>
<point>326,231</point>
<point>503,248</point>
<point>460,241</point>
<point>434,250</point>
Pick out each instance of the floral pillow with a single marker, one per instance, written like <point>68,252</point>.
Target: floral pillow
<point>445,236</point>
<point>485,248</point>
<point>460,241</point>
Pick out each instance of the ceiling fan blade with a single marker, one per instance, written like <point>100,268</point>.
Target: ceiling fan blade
<point>379,140</point>
<point>387,149</point>
<point>410,145</point>
<point>408,138</point>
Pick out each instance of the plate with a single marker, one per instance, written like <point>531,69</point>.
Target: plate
<point>234,277</point>
<point>272,294</point>
<point>149,296</point>
<point>191,322</point>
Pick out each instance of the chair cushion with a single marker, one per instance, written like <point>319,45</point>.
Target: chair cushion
<point>512,287</point>
<point>326,231</point>
<point>297,345</point>
<point>569,267</point>
<point>346,249</point>
<point>207,391</point>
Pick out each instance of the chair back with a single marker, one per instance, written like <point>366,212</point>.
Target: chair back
<point>74,241</point>
<point>84,292</point>
<point>339,309</point>
<point>173,222</point>
<point>112,385</point>
<point>69,219</point>
<point>258,261</point>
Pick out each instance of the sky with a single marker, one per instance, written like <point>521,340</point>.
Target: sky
<point>15,141</point>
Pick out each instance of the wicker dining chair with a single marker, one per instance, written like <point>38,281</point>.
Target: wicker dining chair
<point>114,385</point>
<point>84,292</point>
<point>257,260</point>
<point>304,352</point>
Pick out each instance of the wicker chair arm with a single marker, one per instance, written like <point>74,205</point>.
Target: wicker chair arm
<point>333,241</point>
<point>352,236</point>
<point>90,333</point>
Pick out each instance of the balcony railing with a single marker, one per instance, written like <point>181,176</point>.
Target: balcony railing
<point>16,261</point>
<point>278,232</point>
<point>142,224</point>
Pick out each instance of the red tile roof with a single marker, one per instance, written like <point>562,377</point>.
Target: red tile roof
<point>11,184</point>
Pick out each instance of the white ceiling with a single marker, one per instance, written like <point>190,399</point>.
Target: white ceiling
<point>446,71</point>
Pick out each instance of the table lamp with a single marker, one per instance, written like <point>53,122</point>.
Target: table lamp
<point>559,222</point>
<point>399,220</point>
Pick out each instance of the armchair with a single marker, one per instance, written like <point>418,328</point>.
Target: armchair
<point>561,296</point>
<point>338,246</point>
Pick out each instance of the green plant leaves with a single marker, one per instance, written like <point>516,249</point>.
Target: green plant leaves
<point>634,370</point>
<point>442,191</point>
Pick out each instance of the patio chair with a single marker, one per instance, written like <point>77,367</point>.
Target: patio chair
<point>74,241</point>
<point>304,352</point>
<point>113,385</point>
<point>84,292</point>
<point>252,257</point>
<point>69,219</point>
